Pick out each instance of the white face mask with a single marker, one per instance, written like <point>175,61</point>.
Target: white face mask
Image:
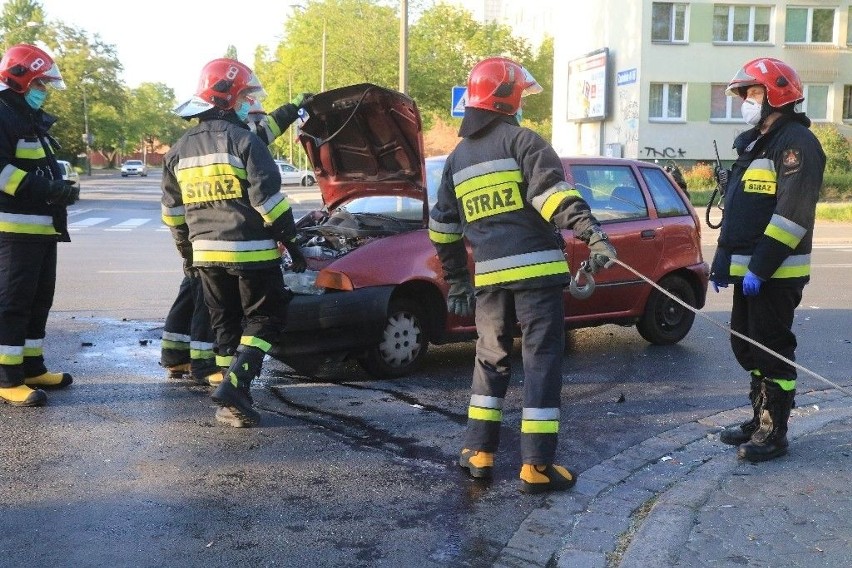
<point>751,111</point>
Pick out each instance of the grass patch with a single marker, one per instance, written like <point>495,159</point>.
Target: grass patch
<point>837,208</point>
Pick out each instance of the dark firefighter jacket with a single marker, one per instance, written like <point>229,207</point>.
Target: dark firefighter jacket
<point>770,204</point>
<point>222,193</point>
<point>271,126</point>
<point>503,190</point>
<point>27,164</point>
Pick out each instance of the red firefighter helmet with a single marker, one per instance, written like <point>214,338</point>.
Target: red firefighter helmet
<point>781,82</point>
<point>24,63</point>
<point>498,83</point>
<point>222,82</point>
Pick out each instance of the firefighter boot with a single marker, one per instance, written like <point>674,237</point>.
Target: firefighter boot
<point>49,380</point>
<point>541,478</point>
<point>177,372</point>
<point>769,441</point>
<point>736,435</point>
<point>478,464</point>
<point>234,391</point>
<point>22,395</point>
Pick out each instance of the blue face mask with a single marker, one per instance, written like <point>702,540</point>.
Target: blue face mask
<point>519,115</point>
<point>35,98</point>
<point>243,110</point>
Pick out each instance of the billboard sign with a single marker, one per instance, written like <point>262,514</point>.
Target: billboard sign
<point>587,86</point>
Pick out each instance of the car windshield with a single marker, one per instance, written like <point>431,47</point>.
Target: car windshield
<point>133,162</point>
<point>402,208</point>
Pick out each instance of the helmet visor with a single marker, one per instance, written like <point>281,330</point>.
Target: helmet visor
<point>741,79</point>
<point>531,86</point>
<point>254,89</point>
<point>53,78</point>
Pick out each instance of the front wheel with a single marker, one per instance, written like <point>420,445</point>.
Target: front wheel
<point>308,181</point>
<point>403,343</point>
<point>664,321</point>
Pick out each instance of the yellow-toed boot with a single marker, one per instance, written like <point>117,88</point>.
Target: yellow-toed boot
<point>478,464</point>
<point>177,371</point>
<point>541,478</point>
<point>49,380</point>
<point>22,395</point>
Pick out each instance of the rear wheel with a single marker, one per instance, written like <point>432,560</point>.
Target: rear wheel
<point>308,180</point>
<point>403,343</point>
<point>665,322</point>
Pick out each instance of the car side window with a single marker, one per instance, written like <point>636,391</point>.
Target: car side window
<point>666,198</point>
<point>612,192</point>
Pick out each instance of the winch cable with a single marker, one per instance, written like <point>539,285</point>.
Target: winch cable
<point>624,265</point>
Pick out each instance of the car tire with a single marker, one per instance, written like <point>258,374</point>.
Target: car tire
<point>124,175</point>
<point>308,181</point>
<point>664,321</point>
<point>404,342</point>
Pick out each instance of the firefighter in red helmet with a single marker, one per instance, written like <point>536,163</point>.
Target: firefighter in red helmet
<point>520,268</point>
<point>765,244</point>
<point>33,218</point>
<point>222,201</point>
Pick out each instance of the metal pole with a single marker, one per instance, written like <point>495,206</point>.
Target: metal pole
<point>322,69</point>
<point>403,47</point>
<point>290,98</point>
<point>86,128</point>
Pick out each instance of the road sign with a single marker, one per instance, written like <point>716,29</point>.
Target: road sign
<point>459,101</point>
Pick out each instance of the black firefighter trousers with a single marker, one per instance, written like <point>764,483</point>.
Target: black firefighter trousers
<point>187,334</point>
<point>27,284</point>
<point>540,314</point>
<point>245,303</point>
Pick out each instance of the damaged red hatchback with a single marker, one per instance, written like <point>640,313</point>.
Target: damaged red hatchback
<point>374,291</point>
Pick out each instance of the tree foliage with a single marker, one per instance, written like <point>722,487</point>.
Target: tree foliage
<point>836,147</point>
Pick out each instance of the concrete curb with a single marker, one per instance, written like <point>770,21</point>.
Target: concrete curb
<point>638,506</point>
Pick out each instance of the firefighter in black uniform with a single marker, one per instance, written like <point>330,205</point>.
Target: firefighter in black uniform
<point>222,200</point>
<point>187,345</point>
<point>33,218</point>
<point>504,190</point>
<point>765,244</point>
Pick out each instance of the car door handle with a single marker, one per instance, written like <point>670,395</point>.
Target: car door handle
<point>648,234</point>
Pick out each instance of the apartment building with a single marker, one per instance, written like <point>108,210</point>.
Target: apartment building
<point>645,79</point>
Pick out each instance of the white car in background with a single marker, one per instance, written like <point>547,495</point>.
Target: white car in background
<point>291,175</point>
<point>134,168</point>
<point>68,172</point>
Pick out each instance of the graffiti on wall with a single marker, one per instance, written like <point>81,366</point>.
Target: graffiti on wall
<point>667,152</point>
<point>627,130</point>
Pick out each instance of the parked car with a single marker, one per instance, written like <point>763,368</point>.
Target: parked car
<point>291,175</point>
<point>374,290</point>
<point>134,168</point>
<point>68,172</point>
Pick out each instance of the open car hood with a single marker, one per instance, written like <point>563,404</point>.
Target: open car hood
<point>364,140</point>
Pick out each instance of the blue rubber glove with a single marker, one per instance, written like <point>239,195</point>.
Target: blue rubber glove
<point>717,285</point>
<point>751,284</point>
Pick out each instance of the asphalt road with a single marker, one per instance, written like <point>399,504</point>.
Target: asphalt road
<point>125,468</point>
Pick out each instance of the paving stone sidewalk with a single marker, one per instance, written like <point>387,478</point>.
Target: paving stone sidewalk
<point>683,499</point>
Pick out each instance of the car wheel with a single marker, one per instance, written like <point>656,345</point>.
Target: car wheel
<point>403,344</point>
<point>665,322</point>
<point>308,181</point>
<point>124,175</point>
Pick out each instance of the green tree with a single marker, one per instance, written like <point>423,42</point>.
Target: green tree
<point>835,146</point>
<point>21,21</point>
<point>149,118</point>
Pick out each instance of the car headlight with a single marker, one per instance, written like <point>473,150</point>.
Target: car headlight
<point>303,283</point>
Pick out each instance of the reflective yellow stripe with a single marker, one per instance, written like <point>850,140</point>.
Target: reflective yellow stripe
<point>10,179</point>
<point>760,177</point>
<point>785,384</point>
<point>34,351</point>
<point>29,150</point>
<point>521,273</point>
<point>796,266</point>
<point>169,344</point>
<point>539,426</point>
<point>444,238</point>
<point>11,359</point>
<point>486,180</point>
<point>26,224</point>
<point>186,175</point>
<point>279,209</point>
<point>252,341</point>
<point>486,414</point>
<point>224,360</point>
<point>235,257</point>
<point>792,271</point>
<point>554,200</point>
<point>273,127</point>
<point>174,220</point>
<point>782,236</point>
<point>201,353</point>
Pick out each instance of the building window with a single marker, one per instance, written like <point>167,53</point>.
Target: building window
<point>815,104</point>
<point>668,22</point>
<point>741,24</point>
<point>847,102</point>
<point>810,25</point>
<point>723,107</point>
<point>666,101</point>
<point>849,28</point>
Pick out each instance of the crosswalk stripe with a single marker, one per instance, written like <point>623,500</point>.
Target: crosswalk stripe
<point>83,223</point>
<point>128,225</point>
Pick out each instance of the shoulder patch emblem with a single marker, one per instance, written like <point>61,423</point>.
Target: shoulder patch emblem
<point>792,159</point>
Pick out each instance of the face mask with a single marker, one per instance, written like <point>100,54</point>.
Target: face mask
<point>243,110</point>
<point>751,111</point>
<point>519,115</point>
<point>35,98</point>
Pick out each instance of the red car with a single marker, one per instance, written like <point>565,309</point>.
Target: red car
<point>374,289</point>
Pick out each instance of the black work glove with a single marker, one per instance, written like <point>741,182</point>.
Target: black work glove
<point>460,299</point>
<point>722,176</point>
<point>185,250</point>
<point>62,192</point>
<point>188,269</point>
<point>301,99</point>
<point>297,259</point>
<point>601,252</point>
